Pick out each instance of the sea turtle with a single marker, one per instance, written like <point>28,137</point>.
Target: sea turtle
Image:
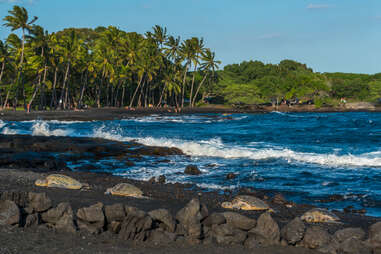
<point>61,181</point>
<point>320,215</point>
<point>126,190</point>
<point>245,202</point>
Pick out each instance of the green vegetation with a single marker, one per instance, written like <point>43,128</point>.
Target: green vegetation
<point>108,67</point>
<point>255,83</point>
<point>102,67</point>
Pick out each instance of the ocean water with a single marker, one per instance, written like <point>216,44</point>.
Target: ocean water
<point>307,156</point>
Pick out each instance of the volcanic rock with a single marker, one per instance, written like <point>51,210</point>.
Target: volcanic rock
<point>192,170</point>
<point>9,213</point>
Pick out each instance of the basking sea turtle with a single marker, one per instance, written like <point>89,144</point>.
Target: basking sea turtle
<point>61,181</point>
<point>244,202</point>
<point>320,215</point>
<point>126,190</point>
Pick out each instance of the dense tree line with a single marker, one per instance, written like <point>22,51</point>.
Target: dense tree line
<point>99,67</point>
<point>254,82</point>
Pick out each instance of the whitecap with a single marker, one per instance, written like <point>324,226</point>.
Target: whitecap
<point>8,131</point>
<point>40,128</point>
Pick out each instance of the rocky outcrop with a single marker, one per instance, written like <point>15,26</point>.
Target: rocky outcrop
<point>294,231</point>
<point>91,218</point>
<point>136,225</point>
<point>316,237</point>
<point>9,213</point>
<point>192,170</point>
<point>164,219</point>
<point>266,233</point>
<point>39,202</point>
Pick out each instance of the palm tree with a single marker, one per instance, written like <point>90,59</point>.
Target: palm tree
<point>160,35</point>
<point>209,65</point>
<point>198,47</point>
<point>187,54</point>
<point>18,19</point>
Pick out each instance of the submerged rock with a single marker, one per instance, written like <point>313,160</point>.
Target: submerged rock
<point>192,170</point>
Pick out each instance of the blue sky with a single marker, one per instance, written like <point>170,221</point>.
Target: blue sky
<point>327,35</point>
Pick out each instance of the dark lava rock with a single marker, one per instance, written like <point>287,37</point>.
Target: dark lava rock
<point>375,235</point>
<point>316,237</point>
<point>136,225</point>
<point>157,151</point>
<point>40,202</point>
<point>267,232</point>
<point>55,214</point>
<point>163,216</point>
<point>91,218</point>
<point>115,212</point>
<point>294,231</point>
<point>9,213</point>
<point>192,170</point>
<point>214,219</point>
<point>20,198</point>
<point>190,217</point>
<point>152,180</point>
<point>231,176</point>
<point>226,234</point>
<point>354,246</point>
<point>279,199</point>
<point>162,179</point>
<point>32,220</point>
<point>344,234</point>
<point>161,237</point>
<point>239,221</point>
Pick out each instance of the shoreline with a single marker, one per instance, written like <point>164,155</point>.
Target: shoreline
<point>105,114</point>
<point>14,182</point>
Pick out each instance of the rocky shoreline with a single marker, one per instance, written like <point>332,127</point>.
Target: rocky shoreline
<point>121,113</point>
<point>172,216</point>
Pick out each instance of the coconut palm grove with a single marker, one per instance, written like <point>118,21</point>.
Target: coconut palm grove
<point>107,67</point>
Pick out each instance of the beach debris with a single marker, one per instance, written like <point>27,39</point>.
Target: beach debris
<point>246,202</point>
<point>192,170</point>
<point>125,190</point>
<point>60,181</point>
<point>317,215</point>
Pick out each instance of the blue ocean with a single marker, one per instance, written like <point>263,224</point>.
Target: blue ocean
<point>310,157</point>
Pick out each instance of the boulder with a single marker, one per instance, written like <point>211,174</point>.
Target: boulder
<point>163,216</point>
<point>20,198</point>
<point>375,235</point>
<point>239,221</point>
<point>40,202</point>
<point>294,231</point>
<point>279,199</point>
<point>162,179</point>
<point>115,212</point>
<point>344,234</point>
<point>55,214</point>
<point>214,219</point>
<point>316,237</point>
<point>267,232</point>
<point>115,226</point>
<point>136,225</point>
<point>190,217</point>
<point>354,246</point>
<point>9,213</point>
<point>226,234</point>
<point>161,237</point>
<point>192,170</point>
<point>32,220</point>
<point>91,218</point>
<point>66,223</point>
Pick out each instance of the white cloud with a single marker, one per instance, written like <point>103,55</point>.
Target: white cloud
<point>319,6</point>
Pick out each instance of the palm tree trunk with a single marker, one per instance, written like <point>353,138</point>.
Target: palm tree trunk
<point>136,90</point>
<point>53,102</point>
<point>99,87</point>
<point>63,91</point>
<point>123,94</point>
<point>183,87</point>
<point>1,77</point>
<point>198,89</point>
<point>191,93</point>
<point>161,96</point>
<point>21,67</point>
<point>34,93</point>
<point>82,91</point>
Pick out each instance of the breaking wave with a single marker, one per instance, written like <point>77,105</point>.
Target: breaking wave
<point>216,148</point>
<point>40,128</point>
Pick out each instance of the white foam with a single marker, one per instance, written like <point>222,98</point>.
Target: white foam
<point>54,121</point>
<point>42,129</point>
<point>216,148</point>
<point>8,131</point>
<point>2,124</point>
